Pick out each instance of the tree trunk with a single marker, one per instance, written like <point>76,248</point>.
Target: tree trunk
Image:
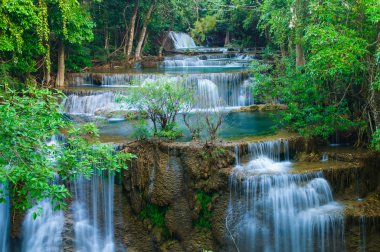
<point>132,30</point>
<point>47,77</point>
<point>283,50</point>
<point>61,65</point>
<point>125,38</point>
<point>145,40</point>
<point>165,38</point>
<point>143,31</point>
<point>125,41</point>
<point>300,57</point>
<point>227,38</point>
<point>106,35</point>
<point>163,43</point>
<point>47,72</point>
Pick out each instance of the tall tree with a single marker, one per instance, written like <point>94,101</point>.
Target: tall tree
<point>71,24</point>
<point>132,25</point>
<point>143,31</point>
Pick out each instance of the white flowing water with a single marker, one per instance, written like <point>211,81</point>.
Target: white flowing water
<point>4,219</point>
<point>44,233</point>
<point>272,209</point>
<point>325,157</point>
<point>93,214</point>
<point>208,94</point>
<point>100,103</point>
<point>232,89</point>
<point>182,40</point>
<point>219,60</point>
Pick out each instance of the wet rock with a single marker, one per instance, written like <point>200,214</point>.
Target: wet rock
<point>201,240</point>
<point>218,221</point>
<point>168,182</point>
<point>171,246</point>
<point>178,219</point>
<point>262,107</point>
<point>308,157</point>
<point>136,201</point>
<point>97,79</point>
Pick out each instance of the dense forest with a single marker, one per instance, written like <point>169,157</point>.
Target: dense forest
<point>319,58</point>
<point>326,53</point>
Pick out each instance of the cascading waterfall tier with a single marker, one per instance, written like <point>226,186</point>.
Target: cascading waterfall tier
<point>272,209</point>
<point>232,89</point>
<point>181,40</point>
<point>43,233</point>
<point>98,103</point>
<point>227,60</point>
<point>93,213</point>
<point>131,80</point>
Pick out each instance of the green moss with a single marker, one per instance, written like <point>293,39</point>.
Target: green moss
<point>204,216</point>
<point>220,150</point>
<point>212,152</point>
<point>156,215</point>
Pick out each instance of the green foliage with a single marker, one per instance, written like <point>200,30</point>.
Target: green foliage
<point>81,154</point>
<point>275,20</point>
<point>78,58</point>
<point>18,42</point>
<point>309,112</point>
<point>16,18</point>
<point>141,130</point>
<point>205,214</point>
<point>375,143</point>
<point>262,86</point>
<point>28,118</point>
<point>220,150</point>
<point>202,27</point>
<point>341,64</point>
<point>160,100</point>
<point>29,28</point>
<point>171,132</point>
<point>156,215</point>
<point>376,79</point>
<point>336,53</point>
<point>268,52</point>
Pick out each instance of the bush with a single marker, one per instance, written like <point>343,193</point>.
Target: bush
<point>204,216</point>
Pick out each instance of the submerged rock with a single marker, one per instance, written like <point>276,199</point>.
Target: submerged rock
<point>262,107</point>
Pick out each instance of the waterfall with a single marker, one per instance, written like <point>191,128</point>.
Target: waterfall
<point>272,209</point>
<point>231,88</point>
<point>246,97</point>
<point>44,232</point>
<point>237,155</point>
<point>182,40</point>
<point>100,103</point>
<point>93,213</point>
<point>269,149</point>
<point>208,94</point>
<point>208,60</point>
<point>79,79</point>
<point>122,80</point>
<point>4,219</point>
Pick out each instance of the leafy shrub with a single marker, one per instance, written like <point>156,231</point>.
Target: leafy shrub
<point>375,143</point>
<point>156,215</point>
<point>204,216</point>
